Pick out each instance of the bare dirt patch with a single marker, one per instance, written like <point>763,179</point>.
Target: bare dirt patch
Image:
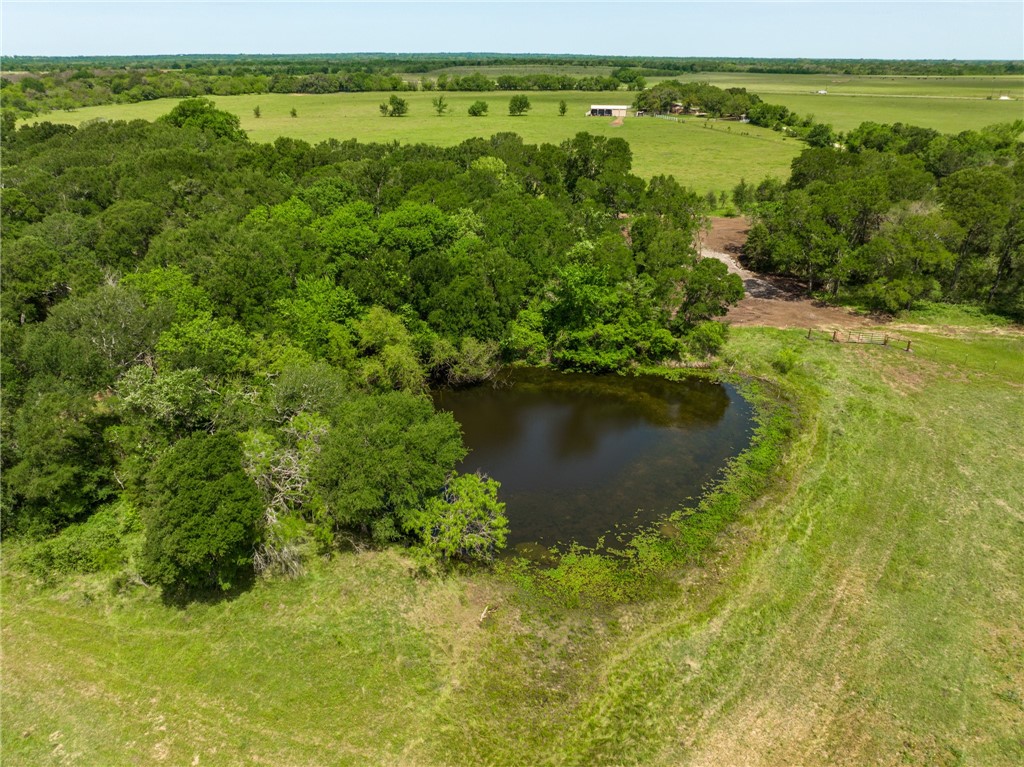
<point>770,301</point>
<point>617,122</point>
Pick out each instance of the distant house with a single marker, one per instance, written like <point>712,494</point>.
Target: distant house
<point>607,110</point>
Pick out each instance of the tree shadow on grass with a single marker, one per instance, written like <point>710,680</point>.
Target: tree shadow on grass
<point>182,596</point>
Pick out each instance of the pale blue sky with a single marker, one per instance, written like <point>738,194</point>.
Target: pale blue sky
<point>963,29</point>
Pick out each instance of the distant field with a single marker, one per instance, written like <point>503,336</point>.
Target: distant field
<point>873,85</point>
<point>947,104</point>
<point>712,158</point>
<point>945,115</point>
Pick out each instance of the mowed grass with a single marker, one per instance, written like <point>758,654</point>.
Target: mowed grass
<point>701,158</point>
<point>845,113</point>
<point>870,610</point>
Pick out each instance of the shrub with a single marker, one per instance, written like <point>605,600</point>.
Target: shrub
<point>88,547</point>
<point>785,360</point>
<point>707,338</point>
<point>477,109</point>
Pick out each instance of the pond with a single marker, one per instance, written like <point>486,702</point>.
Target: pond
<point>580,455</point>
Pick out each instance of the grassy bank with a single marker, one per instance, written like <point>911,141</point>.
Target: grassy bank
<point>866,609</point>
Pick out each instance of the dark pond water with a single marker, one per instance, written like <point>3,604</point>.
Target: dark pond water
<point>578,455</point>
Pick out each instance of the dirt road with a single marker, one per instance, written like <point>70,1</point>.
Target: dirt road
<point>770,301</point>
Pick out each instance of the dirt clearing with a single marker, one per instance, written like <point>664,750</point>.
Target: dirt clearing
<point>770,301</point>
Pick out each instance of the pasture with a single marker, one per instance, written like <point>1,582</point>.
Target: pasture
<point>703,158</point>
<point>705,155</point>
<point>866,611</point>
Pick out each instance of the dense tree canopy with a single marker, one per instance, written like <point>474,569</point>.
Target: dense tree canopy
<point>897,214</point>
<point>183,308</point>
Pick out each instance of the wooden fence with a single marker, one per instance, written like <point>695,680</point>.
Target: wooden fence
<point>860,337</point>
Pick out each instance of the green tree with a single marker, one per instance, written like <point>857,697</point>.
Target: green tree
<point>59,467</point>
<point>215,346</point>
<point>467,521</point>
<point>294,112</point>
<point>203,114</point>
<point>743,195</point>
<point>707,291</point>
<point>256,111</point>
<point>440,104</point>
<point>394,107</point>
<point>384,457</point>
<point>389,360</point>
<point>980,201</point>
<point>200,516</point>
<point>477,109</point>
<point>91,339</point>
<point>821,135</point>
<point>518,105</point>
<point>125,229</point>
<point>563,107</point>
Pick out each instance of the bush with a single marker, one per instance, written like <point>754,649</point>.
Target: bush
<point>88,547</point>
<point>707,338</point>
<point>394,107</point>
<point>477,109</point>
<point>202,520</point>
<point>785,360</point>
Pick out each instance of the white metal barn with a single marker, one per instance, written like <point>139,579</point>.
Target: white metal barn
<point>607,110</point>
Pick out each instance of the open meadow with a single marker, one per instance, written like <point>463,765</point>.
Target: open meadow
<point>868,610</point>
<point>703,158</point>
<point>703,155</point>
<point>946,104</point>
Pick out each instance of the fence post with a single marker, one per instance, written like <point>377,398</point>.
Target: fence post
<point>834,334</point>
<point>808,334</point>
<point>908,345</point>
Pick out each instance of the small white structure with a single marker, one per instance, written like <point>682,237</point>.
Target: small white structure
<point>1004,97</point>
<point>823,92</point>
<point>607,110</point>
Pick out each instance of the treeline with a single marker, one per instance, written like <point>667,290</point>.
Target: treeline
<point>907,67</point>
<point>656,66</point>
<point>32,95</point>
<point>700,98</point>
<point>216,352</point>
<point>35,85</point>
<point>898,214</point>
<point>666,96</point>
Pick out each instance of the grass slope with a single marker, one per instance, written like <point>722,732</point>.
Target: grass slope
<point>868,610</point>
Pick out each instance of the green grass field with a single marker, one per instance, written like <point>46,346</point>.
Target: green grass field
<point>705,158</point>
<point>699,157</point>
<point>968,87</point>
<point>844,112</point>
<point>869,610</point>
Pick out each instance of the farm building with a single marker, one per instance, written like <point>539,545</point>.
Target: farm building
<point>607,110</point>
<point>683,109</point>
